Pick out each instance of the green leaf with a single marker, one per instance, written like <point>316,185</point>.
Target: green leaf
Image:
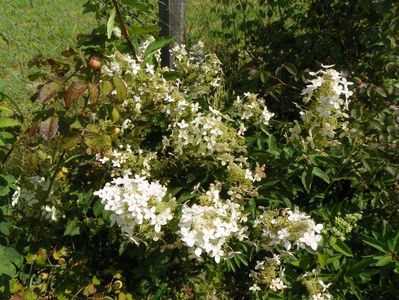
<point>156,45</point>
<point>9,122</point>
<point>341,247</point>
<point>290,68</point>
<point>121,90</point>
<point>76,125</point>
<point>98,208</point>
<point>98,143</point>
<point>391,67</point>
<point>242,259</point>
<point>384,260</point>
<point>106,87</point>
<point>375,244</point>
<point>379,90</point>
<point>7,268</point>
<point>5,228</point>
<point>270,183</point>
<point>271,142</point>
<point>264,76</point>
<point>115,115</point>
<point>302,263</point>
<point>394,245</point>
<point>6,135</point>
<point>307,178</point>
<point>4,191</point>
<point>68,142</point>
<point>5,109</point>
<point>72,228</point>
<point>93,128</point>
<point>359,266</point>
<point>319,173</point>
<point>14,257</point>
<point>111,23</point>
<point>184,197</point>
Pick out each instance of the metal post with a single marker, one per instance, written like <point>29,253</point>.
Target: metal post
<point>172,15</point>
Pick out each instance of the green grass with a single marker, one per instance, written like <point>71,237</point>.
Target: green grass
<point>35,27</point>
<point>201,22</point>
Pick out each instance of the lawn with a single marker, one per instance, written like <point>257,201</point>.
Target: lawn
<point>34,27</point>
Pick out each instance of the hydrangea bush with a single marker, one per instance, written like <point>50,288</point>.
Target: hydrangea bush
<point>165,185</point>
<point>175,169</point>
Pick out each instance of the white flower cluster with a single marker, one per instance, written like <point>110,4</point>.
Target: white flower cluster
<point>200,72</point>
<point>125,161</point>
<point>208,227</point>
<point>292,228</point>
<point>137,206</point>
<point>328,88</point>
<point>268,273</point>
<point>317,288</point>
<point>125,64</point>
<point>328,97</point>
<point>251,110</point>
<point>32,195</point>
<point>206,135</point>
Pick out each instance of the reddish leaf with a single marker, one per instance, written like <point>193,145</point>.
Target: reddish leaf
<point>74,92</point>
<point>48,91</point>
<point>94,93</point>
<point>49,128</point>
<point>17,296</point>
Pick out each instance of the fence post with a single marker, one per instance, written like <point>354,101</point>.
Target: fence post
<point>172,16</point>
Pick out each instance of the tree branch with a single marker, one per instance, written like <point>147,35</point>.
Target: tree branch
<point>124,30</point>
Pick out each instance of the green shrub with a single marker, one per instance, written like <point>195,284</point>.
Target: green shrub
<point>163,183</point>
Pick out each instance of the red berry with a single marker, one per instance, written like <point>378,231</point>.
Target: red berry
<point>94,63</point>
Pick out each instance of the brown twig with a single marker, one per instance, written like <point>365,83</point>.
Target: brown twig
<point>124,30</point>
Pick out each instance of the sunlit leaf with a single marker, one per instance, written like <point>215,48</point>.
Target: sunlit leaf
<point>8,122</point>
<point>121,90</point>
<point>111,23</point>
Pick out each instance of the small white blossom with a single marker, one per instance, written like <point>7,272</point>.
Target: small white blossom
<point>51,213</point>
<point>277,285</point>
<point>310,239</point>
<point>254,288</point>
<point>15,196</point>
<point>117,32</point>
<point>150,69</point>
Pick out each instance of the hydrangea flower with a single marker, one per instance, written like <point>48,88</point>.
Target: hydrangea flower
<point>137,206</point>
<point>208,227</point>
<point>327,96</point>
<point>292,228</point>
